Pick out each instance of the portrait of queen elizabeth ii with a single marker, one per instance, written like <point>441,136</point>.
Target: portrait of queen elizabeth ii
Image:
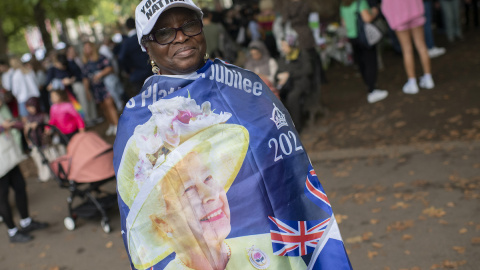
<point>174,175</point>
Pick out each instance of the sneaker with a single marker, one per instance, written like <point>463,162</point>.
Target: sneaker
<point>20,237</point>
<point>109,131</point>
<point>436,52</point>
<point>426,82</point>
<point>34,225</point>
<point>377,95</point>
<point>410,88</point>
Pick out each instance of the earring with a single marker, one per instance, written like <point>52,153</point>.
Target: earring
<point>206,57</point>
<point>155,68</point>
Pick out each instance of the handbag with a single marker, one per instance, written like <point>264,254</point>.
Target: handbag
<point>368,33</point>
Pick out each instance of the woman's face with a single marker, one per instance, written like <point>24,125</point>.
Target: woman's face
<point>185,54</point>
<point>71,53</point>
<point>285,47</point>
<point>256,54</point>
<point>196,205</point>
<point>87,49</point>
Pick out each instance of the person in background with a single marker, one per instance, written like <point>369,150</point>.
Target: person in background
<point>297,13</point>
<point>11,176</point>
<point>112,81</point>
<point>6,86</point>
<point>471,6</point>
<point>33,133</point>
<point>214,34</point>
<point>132,60</point>
<point>265,22</point>
<point>433,51</point>
<point>84,97</point>
<point>451,19</point>
<point>95,68</point>
<point>365,57</point>
<point>260,62</point>
<point>24,84</point>
<point>294,79</point>
<point>63,115</point>
<point>407,19</point>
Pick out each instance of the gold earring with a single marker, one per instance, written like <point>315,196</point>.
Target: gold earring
<point>155,68</point>
<point>206,57</point>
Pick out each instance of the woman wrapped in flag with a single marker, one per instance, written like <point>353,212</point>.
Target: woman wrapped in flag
<point>211,172</point>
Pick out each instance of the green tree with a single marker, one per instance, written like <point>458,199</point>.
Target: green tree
<point>18,14</point>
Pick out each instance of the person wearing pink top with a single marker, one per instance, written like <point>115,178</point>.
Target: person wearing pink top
<point>407,18</point>
<point>63,115</point>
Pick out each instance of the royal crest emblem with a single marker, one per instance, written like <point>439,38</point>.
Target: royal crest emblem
<point>278,117</point>
<point>258,258</point>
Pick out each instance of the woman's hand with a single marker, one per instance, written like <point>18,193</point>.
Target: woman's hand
<point>97,77</point>
<point>67,81</point>
<point>283,77</point>
<point>7,124</point>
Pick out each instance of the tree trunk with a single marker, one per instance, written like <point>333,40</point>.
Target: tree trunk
<point>39,14</point>
<point>3,42</point>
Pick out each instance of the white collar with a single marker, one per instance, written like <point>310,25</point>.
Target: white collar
<point>132,32</point>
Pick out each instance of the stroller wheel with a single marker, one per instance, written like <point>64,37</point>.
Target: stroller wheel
<point>105,226</point>
<point>69,223</point>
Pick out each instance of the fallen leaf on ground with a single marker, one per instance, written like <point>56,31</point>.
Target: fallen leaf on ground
<point>407,252</point>
<point>109,244</point>
<point>443,222</point>
<point>372,254</point>
<point>463,231</point>
<point>399,184</point>
<point>450,204</point>
<point>400,225</point>
<point>376,210</point>
<point>458,249</point>
<point>400,124</point>
<point>434,212</point>
<point>377,245</point>
<point>366,236</point>
<point>353,240</point>
<point>340,218</point>
<point>407,237</point>
<point>42,255</point>
<point>380,199</point>
<point>476,240</point>
<point>374,221</point>
<point>399,205</point>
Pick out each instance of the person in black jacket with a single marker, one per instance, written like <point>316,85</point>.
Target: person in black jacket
<point>294,79</point>
<point>133,60</point>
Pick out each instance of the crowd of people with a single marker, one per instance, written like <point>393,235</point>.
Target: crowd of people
<point>65,88</point>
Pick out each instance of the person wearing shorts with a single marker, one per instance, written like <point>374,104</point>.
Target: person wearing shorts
<point>407,18</point>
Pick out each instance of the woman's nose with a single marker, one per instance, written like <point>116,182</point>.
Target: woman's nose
<point>180,37</point>
<point>207,193</point>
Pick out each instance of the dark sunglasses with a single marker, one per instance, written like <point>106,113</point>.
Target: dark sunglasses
<point>167,35</point>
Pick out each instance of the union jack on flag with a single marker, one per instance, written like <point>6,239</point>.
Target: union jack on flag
<point>295,238</point>
<point>314,191</point>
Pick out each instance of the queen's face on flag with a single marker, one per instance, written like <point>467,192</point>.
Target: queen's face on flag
<point>197,215</point>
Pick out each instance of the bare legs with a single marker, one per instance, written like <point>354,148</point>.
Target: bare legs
<point>405,39</point>
<point>110,111</point>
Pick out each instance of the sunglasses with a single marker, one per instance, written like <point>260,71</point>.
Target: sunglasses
<point>167,35</point>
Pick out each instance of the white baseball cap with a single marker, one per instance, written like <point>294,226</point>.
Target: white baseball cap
<point>148,12</point>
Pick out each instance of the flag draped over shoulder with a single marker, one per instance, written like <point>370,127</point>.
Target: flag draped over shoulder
<point>210,164</point>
